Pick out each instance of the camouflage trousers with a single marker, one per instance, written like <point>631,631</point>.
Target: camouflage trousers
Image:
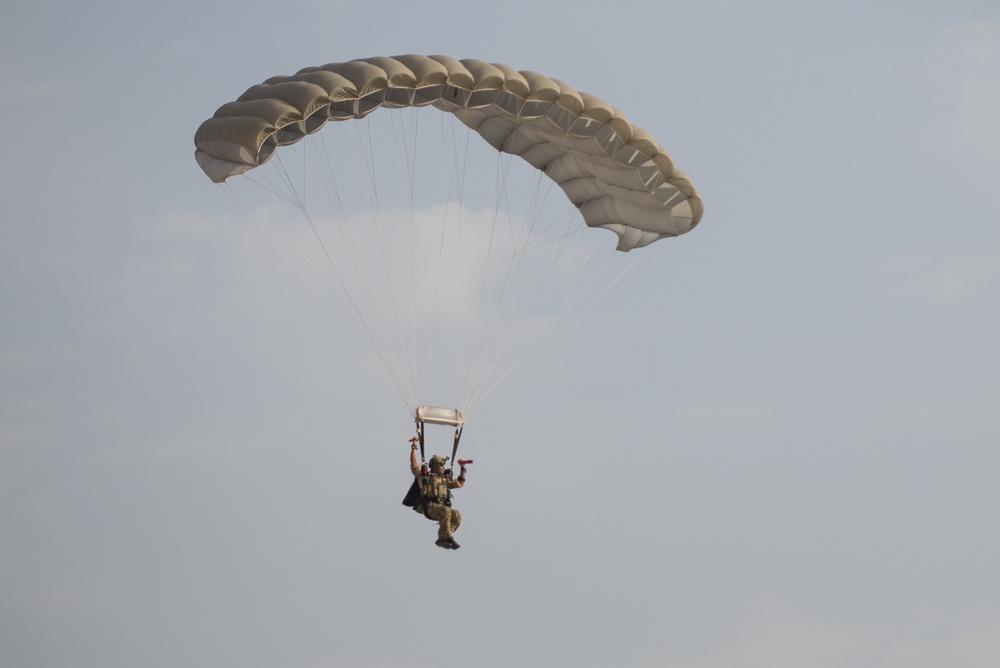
<point>447,518</point>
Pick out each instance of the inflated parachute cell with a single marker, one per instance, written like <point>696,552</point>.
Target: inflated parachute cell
<point>618,176</point>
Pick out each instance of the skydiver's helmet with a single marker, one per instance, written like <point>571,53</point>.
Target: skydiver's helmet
<point>435,460</point>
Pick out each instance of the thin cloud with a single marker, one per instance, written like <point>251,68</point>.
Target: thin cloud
<point>964,76</point>
<point>977,647</point>
<point>735,412</point>
<point>955,278</point>
<point>774,637</point>
<point>17,89</point>
<point>983,412</point>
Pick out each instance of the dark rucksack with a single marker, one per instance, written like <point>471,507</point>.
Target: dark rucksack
<point>414,499</point>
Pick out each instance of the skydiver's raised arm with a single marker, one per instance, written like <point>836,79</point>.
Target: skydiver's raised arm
<point>460,480</point>
<point>414,461</point>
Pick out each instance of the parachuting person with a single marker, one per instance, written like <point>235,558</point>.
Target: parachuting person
<point>435,485</point>
<point>617,176</point>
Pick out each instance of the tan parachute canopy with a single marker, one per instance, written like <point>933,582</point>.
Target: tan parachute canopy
<point>618,176</point>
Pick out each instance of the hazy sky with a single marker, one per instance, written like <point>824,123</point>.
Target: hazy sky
<point>776,446</point>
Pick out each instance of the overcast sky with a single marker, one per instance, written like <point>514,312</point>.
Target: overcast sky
<point>775,446</point>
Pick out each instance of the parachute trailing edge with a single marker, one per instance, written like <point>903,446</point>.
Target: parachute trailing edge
<point>617,175</point>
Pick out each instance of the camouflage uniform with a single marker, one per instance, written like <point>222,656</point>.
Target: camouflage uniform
<point>437,502</point>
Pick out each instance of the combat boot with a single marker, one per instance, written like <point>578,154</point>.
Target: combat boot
<point>453,545</point>
<point>443,542</point>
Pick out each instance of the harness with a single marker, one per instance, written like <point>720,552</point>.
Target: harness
<point>416,498</point>
<point>435,489</point>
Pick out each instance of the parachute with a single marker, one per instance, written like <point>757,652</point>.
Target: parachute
<point>614,175</point>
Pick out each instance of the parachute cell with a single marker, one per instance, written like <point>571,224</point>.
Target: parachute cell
<point>617,175</point>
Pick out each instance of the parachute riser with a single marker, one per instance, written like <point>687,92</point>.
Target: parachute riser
<point>420,440</point>
<point>454,448</point>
